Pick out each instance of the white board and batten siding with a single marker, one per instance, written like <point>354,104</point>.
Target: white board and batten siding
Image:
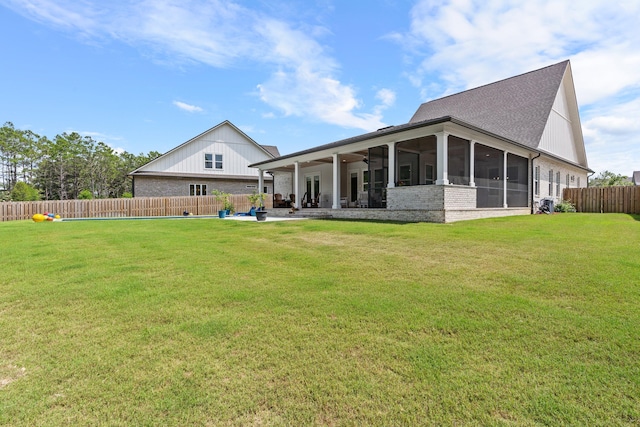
<point>562,135</point>
<point>237,153</point>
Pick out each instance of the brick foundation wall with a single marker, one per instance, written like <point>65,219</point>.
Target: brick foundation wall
<point>431,197</point>
<point>412,215</point>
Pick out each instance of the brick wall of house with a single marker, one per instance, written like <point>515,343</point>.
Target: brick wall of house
<point>547,165</point>
<point>283,183</point>
<point>170,187</point>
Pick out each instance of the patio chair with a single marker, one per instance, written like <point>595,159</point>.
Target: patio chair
<point>279,202</point>
<point>363,199</point>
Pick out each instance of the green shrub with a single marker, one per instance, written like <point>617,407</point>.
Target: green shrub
<point>127,195</point>
<point>564,206</point>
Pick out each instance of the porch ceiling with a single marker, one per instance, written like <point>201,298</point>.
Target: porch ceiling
<point>354,157</point>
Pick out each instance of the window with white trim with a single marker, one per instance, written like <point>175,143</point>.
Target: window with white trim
<point>557,183</point>
<point>197,189</point>
<point>551,182</point>
<point>567,181</point>
<point>536,181</point>
<point>208,161</point>
<point>218,163</point>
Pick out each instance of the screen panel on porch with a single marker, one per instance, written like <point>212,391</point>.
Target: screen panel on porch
<point>517,181</point>
<point>408,168</point>
<point>489,165</point>
<point>458,163</point>
<point>379,171</point>
<point>420,154</point>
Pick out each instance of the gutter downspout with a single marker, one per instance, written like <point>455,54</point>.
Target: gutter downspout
<point>589,176</point>
<point>533,171</point>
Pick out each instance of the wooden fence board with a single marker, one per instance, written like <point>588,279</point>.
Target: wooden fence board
<point>135,207</point>
<point>620,199</point>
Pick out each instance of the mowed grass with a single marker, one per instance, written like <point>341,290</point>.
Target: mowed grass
<point>518,321</point>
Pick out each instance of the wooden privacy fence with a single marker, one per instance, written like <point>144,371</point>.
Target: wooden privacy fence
<point>625,199</point>
<point>136,207</point>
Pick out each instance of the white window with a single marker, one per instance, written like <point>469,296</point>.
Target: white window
<point>551,182</point>
<point>568,181</point>
<point>536,181</point>
<point>557,183</point>
<point>212,161</point>
<point>197,189</point>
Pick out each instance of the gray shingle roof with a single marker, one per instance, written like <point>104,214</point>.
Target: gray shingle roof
<point>516,108</point>
<point>636,177</point>
<point>272,149</point>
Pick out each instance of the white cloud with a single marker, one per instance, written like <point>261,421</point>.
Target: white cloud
<point>466,43</point>
<point>187,107</point>
<point>304,79</point>
<point>387,97</point>
<point>611,136</point>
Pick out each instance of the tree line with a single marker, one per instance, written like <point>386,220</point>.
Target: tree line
<point>610,179</point>
<point>69,166</point>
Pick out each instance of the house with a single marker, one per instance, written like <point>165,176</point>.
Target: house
<point>490,151</point>
<point>635,179</point>
<point>218,158</point>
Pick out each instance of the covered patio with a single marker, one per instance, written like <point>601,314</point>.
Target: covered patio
<point>433,170</point>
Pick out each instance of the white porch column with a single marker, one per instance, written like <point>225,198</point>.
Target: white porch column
<point>391,181</point>
<point>472,163</point>
<point>442,140</point>
<point>296,184</point>
<point>260,181</point>
<point>335,203</point>
<point>505,179</point>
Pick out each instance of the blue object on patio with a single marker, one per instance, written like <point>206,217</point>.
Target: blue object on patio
<point>252,212</point>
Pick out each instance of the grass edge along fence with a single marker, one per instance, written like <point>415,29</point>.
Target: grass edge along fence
<point>135,207</point>
<point>619,199</point>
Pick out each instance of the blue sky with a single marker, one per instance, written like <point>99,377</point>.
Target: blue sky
<point>149,75</point>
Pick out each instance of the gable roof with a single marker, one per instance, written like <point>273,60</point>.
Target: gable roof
<point>516,108</point>
<point>269,150</point>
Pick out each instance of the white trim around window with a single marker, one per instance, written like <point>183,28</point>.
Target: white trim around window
<point>197,189</point>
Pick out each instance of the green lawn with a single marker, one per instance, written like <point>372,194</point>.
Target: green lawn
<point>514,321</point>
